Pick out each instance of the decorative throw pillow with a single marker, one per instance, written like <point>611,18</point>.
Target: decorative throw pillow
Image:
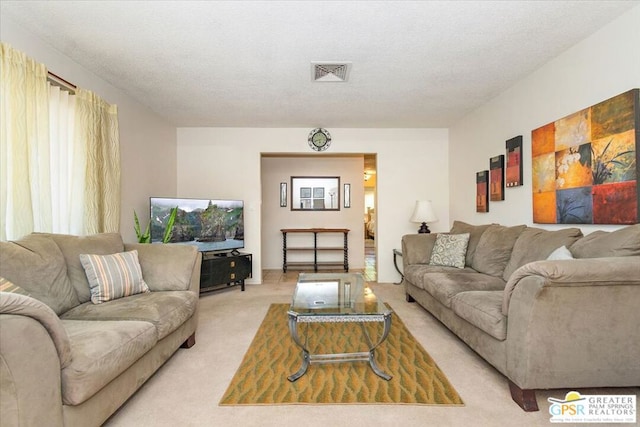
<point>7,286</point>
<point>113,276</point>
<point>450,250</point>
<point>561,253</point>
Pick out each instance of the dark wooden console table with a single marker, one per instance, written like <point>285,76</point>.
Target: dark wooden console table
<point>315,249</point>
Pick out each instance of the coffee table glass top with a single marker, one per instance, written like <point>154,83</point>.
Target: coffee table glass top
<point>335,293</point>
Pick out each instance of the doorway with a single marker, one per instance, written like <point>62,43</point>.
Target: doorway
<point>277,212</point>
<point>370,224</point>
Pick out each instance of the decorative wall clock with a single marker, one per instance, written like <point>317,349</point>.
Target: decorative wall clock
<point>319,139</point>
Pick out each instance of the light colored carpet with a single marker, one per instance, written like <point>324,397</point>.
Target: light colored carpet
<point>185,392</point>
<point>273,355</point>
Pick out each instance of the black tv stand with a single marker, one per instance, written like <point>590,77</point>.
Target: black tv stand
<point>221,270</point>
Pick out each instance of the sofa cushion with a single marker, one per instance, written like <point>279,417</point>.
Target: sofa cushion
<point>494,248</point>
<point>475,232</point>
<point>166,310</point>
<point>36,264</point>
<point>73,246</point>
<point>416,248</point>
<point>414,273</point>
<point>450,250</point>
<point>444,286</point>
<point>622,242</point>
<point>113,276</point>
<point>482,309</point>
<point>100,352</point>
<point>166,267</point>
<point>535,244</point>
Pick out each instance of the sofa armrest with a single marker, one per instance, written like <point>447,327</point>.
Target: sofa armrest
<point>169,267</point>
<point>30,366</point>
<point>22,305</point>
<point>576,272</point>
<point>416,248</point>
<point>574,324</point>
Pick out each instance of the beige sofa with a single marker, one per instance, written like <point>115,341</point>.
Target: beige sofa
<point>65,361</point>
<point>544,324</point>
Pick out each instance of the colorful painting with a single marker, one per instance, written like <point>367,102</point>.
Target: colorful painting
<point>482,191</point>
<point>514,162</point>
<point>585,166</point>
<point>496,178</point>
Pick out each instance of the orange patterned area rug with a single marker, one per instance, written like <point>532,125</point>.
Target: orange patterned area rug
<point>261,378</point>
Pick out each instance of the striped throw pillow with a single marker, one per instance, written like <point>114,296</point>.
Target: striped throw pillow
<point>113,276</point>
<point>8,286</point>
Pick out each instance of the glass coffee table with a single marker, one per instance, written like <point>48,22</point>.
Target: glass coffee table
<point>337,297</point>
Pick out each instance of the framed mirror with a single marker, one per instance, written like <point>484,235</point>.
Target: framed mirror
<point>315,193</point>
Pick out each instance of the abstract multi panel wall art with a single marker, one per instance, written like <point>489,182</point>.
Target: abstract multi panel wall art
<point>585,166</point>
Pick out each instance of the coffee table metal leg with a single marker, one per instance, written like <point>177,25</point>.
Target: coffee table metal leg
<point>372,361</point>
<point>293,329</point>
<point>303,368</point>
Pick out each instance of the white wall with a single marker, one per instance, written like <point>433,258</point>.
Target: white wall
<point>412,164</point>
<point>147,142</point>
<point>600,67</point>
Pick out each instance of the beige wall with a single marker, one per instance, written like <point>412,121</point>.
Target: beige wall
<point>601,66</point>
<point>274,218</point>
<point>147,142</point>
<point>227,163</point>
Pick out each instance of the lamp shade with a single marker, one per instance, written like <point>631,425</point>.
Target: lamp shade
<point>423,212</point>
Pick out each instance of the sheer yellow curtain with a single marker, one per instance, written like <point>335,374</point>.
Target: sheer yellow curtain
<point>25,196</point>
<point>59,155</point>
<point>97,129</point>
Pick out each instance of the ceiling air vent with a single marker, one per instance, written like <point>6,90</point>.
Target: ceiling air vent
<point>330,71</point>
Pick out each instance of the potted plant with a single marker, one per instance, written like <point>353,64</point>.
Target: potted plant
<point>146,236</point>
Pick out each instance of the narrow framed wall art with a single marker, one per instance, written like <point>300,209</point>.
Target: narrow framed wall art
<point>496,178</point>
<point>347,195</point>
<point>513,175</point>
<point>482,191</point>
<point>283,194</point>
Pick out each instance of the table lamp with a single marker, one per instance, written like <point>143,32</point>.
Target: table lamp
<point>423,213</point>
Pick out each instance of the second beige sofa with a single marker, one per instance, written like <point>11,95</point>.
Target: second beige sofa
<point>544,324</point>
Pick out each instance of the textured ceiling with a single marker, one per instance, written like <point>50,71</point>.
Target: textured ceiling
<point>247,63</point>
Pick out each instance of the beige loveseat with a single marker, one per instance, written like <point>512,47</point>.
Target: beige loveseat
<point>65,361</point>
<point>544,324</point>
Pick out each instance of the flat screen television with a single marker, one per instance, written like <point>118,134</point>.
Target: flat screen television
<point>210,224</point>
